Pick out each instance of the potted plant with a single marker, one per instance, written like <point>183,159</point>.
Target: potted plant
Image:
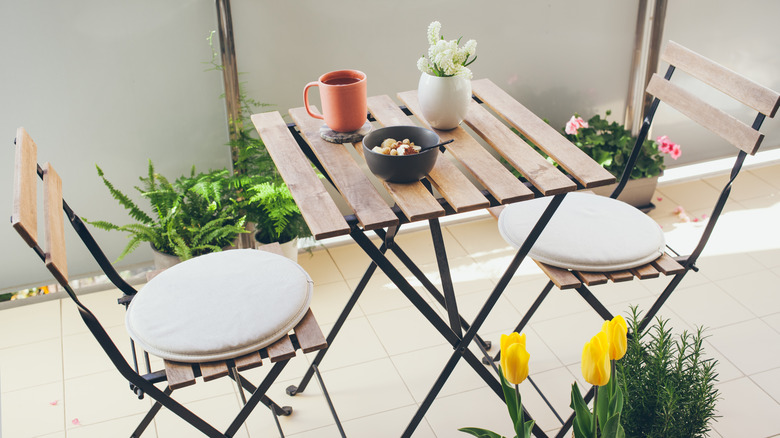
<point>191,216</point>
<point>668,383</point>
<point>610,144</point>
<point>258,190</point>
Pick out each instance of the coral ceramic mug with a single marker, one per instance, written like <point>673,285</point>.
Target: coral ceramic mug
<point>343,94</point>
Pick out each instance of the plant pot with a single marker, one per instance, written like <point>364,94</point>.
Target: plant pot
<point>444,101</point>
<point>163,260</point>
<point>289,248</point>
<point>637,192</point>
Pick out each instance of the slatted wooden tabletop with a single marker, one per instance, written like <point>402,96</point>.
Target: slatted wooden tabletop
<point>459,177</point>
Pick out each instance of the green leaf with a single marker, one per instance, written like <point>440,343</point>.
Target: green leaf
<point>613,429</point>
<point>582,415</point>
<point>481,433</point>
<point>510,397</point>
<point>528,426</point>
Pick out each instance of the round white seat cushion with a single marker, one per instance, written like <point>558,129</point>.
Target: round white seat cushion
<point>219,306</point>
<point>586,233</point>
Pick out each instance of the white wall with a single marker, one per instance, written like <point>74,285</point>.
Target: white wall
<point>116,82</point>
<point>106,82</point>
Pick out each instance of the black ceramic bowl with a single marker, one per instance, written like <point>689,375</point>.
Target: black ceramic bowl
<point>401,168</point>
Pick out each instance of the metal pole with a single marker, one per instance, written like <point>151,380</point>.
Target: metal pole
<point>229,69</point>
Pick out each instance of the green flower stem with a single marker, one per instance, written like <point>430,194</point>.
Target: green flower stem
<point>595,410</point>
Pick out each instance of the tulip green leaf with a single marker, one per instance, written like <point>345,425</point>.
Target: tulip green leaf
<point>480,433</point>
<point>510,397</point>
<point>613,429</point>
<point>583,417</point>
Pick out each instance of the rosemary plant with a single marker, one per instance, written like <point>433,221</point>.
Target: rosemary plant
<point>668,382</point>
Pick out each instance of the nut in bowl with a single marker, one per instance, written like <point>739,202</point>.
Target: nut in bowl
<point>409,165</point>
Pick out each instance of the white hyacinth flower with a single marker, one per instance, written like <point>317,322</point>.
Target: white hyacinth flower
<point>434,30</point>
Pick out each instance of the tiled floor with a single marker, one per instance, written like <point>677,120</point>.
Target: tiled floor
<point>57,383</point>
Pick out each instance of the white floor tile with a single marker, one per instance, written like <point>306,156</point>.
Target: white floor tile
<point>751,345</point>
<point>746,411</point>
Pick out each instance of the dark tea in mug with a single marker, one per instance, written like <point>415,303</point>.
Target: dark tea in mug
<point>341,81</point>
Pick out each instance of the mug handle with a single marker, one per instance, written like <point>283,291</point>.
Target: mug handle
<point>306,99</point>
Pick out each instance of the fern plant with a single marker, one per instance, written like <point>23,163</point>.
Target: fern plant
<point>274,212</point>
<point>667,382</point>
<point>192,216</point>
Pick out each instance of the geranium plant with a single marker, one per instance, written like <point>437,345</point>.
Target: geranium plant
<point>513,370</point>
<point>610,144</point>
<point>446,58</point>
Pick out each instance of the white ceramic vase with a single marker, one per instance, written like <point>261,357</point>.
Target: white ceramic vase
<point>444,101</point>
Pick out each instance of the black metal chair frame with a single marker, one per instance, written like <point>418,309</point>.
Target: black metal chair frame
<point>688,262</point>
<point>142,384</point>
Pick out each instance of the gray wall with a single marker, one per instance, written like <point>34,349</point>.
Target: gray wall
<point>105,82</point>
<point>116,82</point>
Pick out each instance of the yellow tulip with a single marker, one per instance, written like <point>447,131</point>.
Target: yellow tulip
<point>616,331</point>
<point>514,358</point>
<point>595,360</point>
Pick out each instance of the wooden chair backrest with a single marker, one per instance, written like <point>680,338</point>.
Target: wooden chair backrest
<point>736,132</point>
<point>25,210</point>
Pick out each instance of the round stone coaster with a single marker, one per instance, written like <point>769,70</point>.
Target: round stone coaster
<point>332,136</point>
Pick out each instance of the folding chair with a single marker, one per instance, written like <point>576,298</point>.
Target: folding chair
<point>211,316</point>
<point>592,239</point>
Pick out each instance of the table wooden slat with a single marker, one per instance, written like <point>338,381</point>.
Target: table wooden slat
<point>414,200</point>
<point>496,178</point>
<point>567,155</point>
<point>318,209</point>
<point>179,374</point>
<point>370,209</point>
<point>309,334</point>
<point>540,172</point>
<point>459,192</point>
<point>281,350</point>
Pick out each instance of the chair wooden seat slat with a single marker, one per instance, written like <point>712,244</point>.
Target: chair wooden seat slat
<point>756,96</point>
<point>668,265</point>
<point>645,271</point>
<point>618,276</point>
<point>540,172</point>
<point>281,349</point>
<point>592,278</point>
<point>473,156</point>
<point>179,374</point>
<point>450,182</point>
<point>318,209</point>
<point>248,361</point>
<point>309,335</point>
<point>563,278</point>
<point>213,370</point>
<point>568,156</point>
<point>370,209</point>
<point>725,125</point>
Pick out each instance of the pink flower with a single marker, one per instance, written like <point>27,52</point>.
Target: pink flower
<point>667,147</point>
<point>675,152</point>
<point>574,124</point>
<point>76,422</point>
